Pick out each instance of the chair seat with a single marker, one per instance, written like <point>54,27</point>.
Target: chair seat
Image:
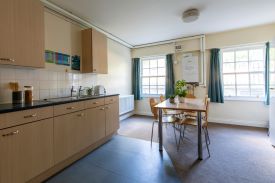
<point>193,122</point>
<point>171,119</point>
<point>190,114</point>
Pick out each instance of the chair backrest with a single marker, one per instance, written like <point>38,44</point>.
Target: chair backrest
<point>162,98</point>
<point>189,95</point>
<point>153,102</point>
<point>207,102</point>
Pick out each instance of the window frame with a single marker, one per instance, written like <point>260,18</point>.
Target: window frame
<point>157,57</point>
<point>244,48</point>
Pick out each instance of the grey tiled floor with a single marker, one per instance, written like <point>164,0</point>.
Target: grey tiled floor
<point>121,160</point>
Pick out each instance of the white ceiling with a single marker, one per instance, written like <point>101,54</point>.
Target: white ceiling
<point>145,21</point>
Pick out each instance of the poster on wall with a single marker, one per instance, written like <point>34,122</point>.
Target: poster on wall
<point>190,68</point>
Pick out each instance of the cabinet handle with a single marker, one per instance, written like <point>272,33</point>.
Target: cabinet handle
<point>102,108</point>
<point>69,108</point>
<point>80,115</point>
<point>7,59</point>
<point>107,107</point>
<point>30,116</point>
<point>11,133</point>
<point>95,102</point>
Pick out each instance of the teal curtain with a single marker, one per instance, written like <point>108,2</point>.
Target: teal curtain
<point>136,84</point>
<point>169,80</point>
<point>215,88</point>
<point>267,60</point>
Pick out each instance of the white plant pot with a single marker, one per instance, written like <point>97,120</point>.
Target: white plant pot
<point>181,99</point>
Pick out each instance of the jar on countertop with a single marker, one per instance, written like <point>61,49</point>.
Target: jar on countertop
<point>28,90</point>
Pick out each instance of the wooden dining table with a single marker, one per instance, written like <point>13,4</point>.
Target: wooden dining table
<point>190,105</point>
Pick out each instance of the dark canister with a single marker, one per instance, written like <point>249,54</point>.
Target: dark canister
<point>17,97</point>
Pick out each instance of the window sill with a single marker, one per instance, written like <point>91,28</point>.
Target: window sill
<point>151,96</point>
<point>247,99</point>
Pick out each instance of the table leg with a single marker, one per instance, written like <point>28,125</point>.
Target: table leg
<point>160,129</point>
<point>199,136</point>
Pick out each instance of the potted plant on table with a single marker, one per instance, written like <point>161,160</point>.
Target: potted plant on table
<point>172,99</point>
<point>181,90</point>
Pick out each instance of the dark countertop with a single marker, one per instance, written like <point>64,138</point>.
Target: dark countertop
<point>5,108</point>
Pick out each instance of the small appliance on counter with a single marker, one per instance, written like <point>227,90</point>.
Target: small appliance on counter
<point>99,90</point>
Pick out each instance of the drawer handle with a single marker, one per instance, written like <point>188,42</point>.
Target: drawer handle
<point>11,133</point>
<point>7,59</point>
<point>30,116</point>
<point>95,102</point>
<point>69,108</point>
<point>80,115</point>
<point>102,108</point>
<point>107,107</point>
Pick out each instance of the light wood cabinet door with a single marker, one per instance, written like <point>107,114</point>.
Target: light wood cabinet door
<point>94,52</point>
<point>70,135</point>
<point>26,151</point>
<point>7,32</point>
<point>112,118</point>
<point>29,34</point>
<point>22,33</point>
<point>96,119</point>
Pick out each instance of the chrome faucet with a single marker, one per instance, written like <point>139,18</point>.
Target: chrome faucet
<point>80,90</point>
<point>73,91</point>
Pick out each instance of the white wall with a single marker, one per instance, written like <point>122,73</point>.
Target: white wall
<point>233,112</point>
<point>55,80</point>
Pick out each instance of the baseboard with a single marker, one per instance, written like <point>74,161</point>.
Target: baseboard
<point>261,124</point>
<point>125,116</point>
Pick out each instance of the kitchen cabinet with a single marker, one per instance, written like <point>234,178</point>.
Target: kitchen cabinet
<point>22,33</point>
<point>70,135</point>
<point>112,118</point>
<point>26,151</point>
<point>96,119</point>
<point>94,52</point>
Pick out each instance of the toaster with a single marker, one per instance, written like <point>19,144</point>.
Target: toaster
<point>99,90</point>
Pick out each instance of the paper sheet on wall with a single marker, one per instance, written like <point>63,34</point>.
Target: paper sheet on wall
<point>190,68</point>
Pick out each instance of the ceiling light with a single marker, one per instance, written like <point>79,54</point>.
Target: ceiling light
<point>190,15</point>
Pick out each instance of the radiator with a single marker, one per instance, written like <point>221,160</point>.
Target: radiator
<point>126,104</point>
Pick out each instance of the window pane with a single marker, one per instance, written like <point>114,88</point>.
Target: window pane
<point>229,91</point>
<point>272,54</point>
<point>145,64</point>
<point>161,90</point>
<point>243,91</point>
<point>257,54</point>
<point>257,78</point>
<point>153,81</point>
<point>228,57</point>
<point>229,79</point>
<point>272,78</point>
<point>242,79</point>
<point>153,90</point>
<point>145,81</point>
<point>272,66</point>
<point>242,67</point>
<point>228,67</point>
<point>153,71</point>
<point>257,90</point>
<point>161,62</point>
<point>146,72</point>
<point>256,66</point>
<point>161,80</point>
<point>242,55</point>
<point>161,71</point>
<point>145,89</point>
<point>153,63</point>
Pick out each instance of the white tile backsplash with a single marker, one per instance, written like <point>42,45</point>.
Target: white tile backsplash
<point>46,83</point>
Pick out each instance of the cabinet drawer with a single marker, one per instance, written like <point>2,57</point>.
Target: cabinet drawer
<point>109,100</point>
<point>25,116</point>
<point>94,103</point>
<point>68,108</point>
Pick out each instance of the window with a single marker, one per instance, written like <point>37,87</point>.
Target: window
<point>272,67</point>
<point>243,72</point>
<point>153,71</point>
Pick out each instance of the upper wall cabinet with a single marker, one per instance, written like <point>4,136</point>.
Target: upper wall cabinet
<point>22,33</point>
<point>94,52</point>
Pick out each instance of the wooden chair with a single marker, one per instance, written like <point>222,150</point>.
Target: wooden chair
<point>170,112</point>
<point>194,114</point>
<point>192,121</point>
<point>165,120</point>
